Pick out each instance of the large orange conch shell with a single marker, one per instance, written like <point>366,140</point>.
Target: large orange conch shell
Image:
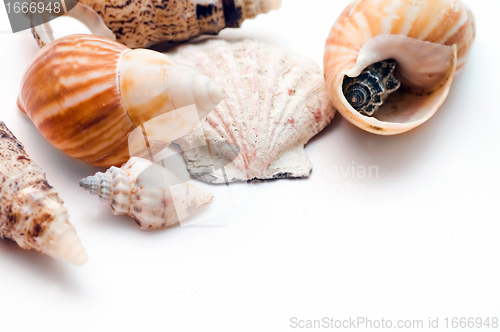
<point>389,64</point>
<point>86,94</point>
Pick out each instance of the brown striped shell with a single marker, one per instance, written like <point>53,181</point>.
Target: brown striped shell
<point>430,41</point>
<point>143,23</point>
<point>86,94</point>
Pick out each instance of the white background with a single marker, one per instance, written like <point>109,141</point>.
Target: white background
<point>419,240</point>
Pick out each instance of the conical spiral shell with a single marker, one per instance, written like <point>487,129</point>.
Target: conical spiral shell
<point>86,94</point>
<point>147,192</point>
<point>145,23</point>
<point>31,212</point>
<point>430,41</point>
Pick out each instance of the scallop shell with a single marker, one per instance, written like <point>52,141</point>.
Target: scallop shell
<point>149,193</point>
<point>86,94</point>
<point>31,212</point>
<point>275,103</point>
<point>137,23</point>
<point>430,41</point>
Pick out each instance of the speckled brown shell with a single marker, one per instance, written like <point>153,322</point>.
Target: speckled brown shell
<point>142,23</point>
<point>31,212</point>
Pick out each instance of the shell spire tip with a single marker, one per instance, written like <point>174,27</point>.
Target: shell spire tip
<point>216,92</point>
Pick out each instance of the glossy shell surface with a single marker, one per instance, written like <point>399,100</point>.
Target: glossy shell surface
<point>86,94</point>
<point>430,41</point>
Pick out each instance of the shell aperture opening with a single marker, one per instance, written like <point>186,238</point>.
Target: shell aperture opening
<point>368,91</point>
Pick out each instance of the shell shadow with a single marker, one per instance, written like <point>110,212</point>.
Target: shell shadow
<point>74,169</point>
<point>229,35</point>
<point>329,130</point>
<point>393,155</point>
<point>396,151</point>
<point>48,269</point>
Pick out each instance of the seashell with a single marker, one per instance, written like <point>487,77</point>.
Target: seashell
<point>149,193</point>
<point>427,41</point>
<point>86,94</point>
<point>31,212</point>
<point>138,23</point>
<point>275,103</point>
<point>43,33</point>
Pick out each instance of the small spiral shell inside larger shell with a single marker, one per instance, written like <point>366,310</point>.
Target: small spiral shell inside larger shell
<point>368,91</point>
<point>429,41</point>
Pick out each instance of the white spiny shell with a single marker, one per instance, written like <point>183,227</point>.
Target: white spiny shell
<point>149,193</point>
<point>31,212</point>
<point>275,103</point>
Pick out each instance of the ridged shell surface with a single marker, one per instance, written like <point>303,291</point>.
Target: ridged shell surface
<point>139,23</point>
<point>71,93</point>
<point>31,212</point>
<point>86,94</point>
<point>149,193</point>
<point>423,33</point>
<point>275,103</point>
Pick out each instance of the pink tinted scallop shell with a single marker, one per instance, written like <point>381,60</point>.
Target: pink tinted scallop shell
<point>275,103</point>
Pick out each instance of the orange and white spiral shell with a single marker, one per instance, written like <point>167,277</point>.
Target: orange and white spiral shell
<point>86,94</point>
<point>430,41</point>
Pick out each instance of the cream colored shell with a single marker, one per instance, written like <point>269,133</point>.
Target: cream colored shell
<point>275,103</point>
<point>149,193</point>
<point>429,39</point>
<point>31,212</point>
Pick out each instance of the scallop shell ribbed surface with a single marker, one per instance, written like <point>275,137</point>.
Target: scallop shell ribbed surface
<point>275,103</point>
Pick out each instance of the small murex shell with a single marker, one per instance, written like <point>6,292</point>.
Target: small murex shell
<point>430,42</point>
<point>275,103</point>
<point>149,193</point>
